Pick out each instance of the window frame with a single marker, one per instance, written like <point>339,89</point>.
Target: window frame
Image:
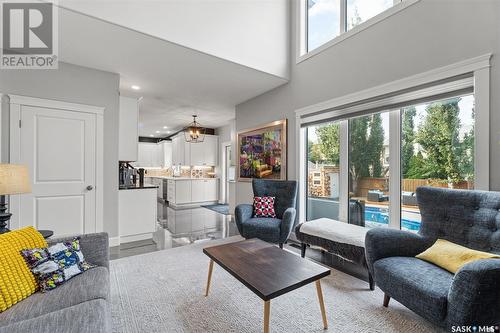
<point>478,68</point>
<point>302,52</point>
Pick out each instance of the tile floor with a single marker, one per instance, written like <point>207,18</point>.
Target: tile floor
<point>179,227</point>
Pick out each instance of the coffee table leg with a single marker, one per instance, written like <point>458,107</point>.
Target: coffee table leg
<point>267,310</point>
<point>321,304</point>
<point>210,269</point>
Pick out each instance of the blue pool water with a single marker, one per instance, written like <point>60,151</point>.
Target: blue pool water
<point>376,215</point>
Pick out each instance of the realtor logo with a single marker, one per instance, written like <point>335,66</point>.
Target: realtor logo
<point>29,32</point>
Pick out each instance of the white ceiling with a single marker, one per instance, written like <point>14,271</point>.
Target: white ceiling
<point>253,33</point>
<point>175,81</point>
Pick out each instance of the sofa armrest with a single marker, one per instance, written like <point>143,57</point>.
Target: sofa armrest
<point>242,213</point>
<point>384,242</point>
<point>474,296</point>
<point>95,247</point>
<point>287,223</point>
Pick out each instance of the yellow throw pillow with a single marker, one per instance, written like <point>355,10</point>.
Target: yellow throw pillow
<point>16,280</point>
<point>451,256</point>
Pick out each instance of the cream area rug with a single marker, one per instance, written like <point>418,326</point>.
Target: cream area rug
<point>164,292</point>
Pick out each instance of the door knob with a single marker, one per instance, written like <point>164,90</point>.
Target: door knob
<point>90,188</point>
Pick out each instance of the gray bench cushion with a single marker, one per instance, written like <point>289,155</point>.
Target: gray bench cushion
<point>335,231</point>
<point>418,284</point>
<point>90,285</point>
<point>88,317</point>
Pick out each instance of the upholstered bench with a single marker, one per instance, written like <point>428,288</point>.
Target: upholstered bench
<point>342,239</point>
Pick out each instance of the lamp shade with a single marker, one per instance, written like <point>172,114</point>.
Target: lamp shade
<point>14,179</point>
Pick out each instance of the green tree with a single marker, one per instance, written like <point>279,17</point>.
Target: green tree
<point>358,157</point>
<point>375,145</point>
<point>438,136</point>
<point>329,142</point>
<point>408,138</point>
<point>314,152</point>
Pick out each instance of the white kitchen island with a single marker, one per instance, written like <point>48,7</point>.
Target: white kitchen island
<point>137,213</point>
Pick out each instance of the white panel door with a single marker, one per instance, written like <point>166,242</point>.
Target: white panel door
<point>59,147</point>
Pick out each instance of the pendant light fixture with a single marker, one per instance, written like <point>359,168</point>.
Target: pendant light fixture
<point>194,132</point>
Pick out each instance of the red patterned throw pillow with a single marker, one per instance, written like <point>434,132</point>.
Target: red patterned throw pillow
<point>263,207</point>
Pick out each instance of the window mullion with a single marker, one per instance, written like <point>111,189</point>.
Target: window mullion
<point>395,169</point>
<point>343,16</point>
<point>344,172</point>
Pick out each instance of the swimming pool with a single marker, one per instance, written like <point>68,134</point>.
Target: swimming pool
<point>375,216</point>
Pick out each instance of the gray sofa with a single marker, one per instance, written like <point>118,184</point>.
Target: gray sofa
<point>469,297</point>
<point>273,230</point>
<point>79,305</point>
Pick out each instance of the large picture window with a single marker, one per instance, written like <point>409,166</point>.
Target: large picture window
<point>323,171</point>
<point>437,149</point>
<point>327,19</point>
<point>436,141</point>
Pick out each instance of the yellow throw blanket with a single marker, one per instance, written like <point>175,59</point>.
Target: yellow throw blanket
<point>16,280</point>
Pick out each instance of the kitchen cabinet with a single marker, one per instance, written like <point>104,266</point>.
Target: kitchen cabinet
<point>128,132</point>
<point>197,190</point>
<point>148,155</point>
<point>192,191</point>
<point>195,154</point>
<point>154,155</point>
<point>210,150</point>
<point>179,154</point>
<point>204,190</point>
<point>167,153</point>
<point>182,192</point>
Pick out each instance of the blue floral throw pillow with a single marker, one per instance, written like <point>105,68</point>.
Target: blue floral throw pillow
<point>56,264</point>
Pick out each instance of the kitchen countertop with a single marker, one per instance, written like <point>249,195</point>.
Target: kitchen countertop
<point>138,187</point>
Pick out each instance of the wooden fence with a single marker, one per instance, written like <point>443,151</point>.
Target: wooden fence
<point>407,185</point>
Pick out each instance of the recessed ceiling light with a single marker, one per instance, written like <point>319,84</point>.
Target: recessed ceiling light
<point>157,131</point>
<point>168,132</point>
<point>165,127</point>
<point>151,135</point>
<point>136,87</point>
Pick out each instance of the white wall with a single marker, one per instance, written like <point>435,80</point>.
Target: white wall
<point>251,33</point>
<point>422,37</point>
<point>76,84</point>
<point>227,133</point>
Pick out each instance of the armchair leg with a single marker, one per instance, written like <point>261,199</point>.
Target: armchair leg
<point>387,298</point>
<point>303,247</point>
<point>370,280</point>
<point>281,245</point>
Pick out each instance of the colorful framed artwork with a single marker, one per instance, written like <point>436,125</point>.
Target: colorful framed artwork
<point>262,152</point>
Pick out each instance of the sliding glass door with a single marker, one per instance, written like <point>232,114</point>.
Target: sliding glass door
<point>437,149</point>
<point>369,176</point>
<point>369,168</point>
<point>323,171</point>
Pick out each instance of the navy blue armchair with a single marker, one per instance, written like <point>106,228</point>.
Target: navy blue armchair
<point>273,230</point>
<point>471,296</point>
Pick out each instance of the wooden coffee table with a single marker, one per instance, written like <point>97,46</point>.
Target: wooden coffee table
<point>266,270</point>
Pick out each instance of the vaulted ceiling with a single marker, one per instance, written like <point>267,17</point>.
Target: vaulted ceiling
<point>175,80</point>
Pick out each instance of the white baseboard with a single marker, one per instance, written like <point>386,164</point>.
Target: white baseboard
<point>134,238</point>
<point>114,241</point>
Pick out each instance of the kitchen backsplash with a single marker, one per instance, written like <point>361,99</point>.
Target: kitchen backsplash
<point>158,172</point>
<point>193,172</point>
<point>202,172</point>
